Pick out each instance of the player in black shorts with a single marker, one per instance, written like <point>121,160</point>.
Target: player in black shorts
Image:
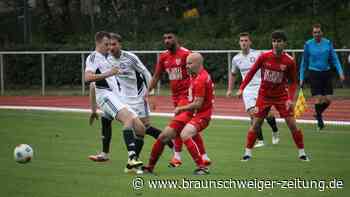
<point>318,58</point>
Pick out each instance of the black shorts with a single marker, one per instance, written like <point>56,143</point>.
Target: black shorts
<point>321,82</point>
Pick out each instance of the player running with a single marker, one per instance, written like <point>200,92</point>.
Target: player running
<point>277,70</point>
<point>243,61</point>
<point>201,100</point>
<point>173,61</point>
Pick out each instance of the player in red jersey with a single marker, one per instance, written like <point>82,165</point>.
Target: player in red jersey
<point>277,70</point>
<point>173,61</point>
<point>200,96</point>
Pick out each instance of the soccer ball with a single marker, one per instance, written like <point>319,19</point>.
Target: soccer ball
<point>23,153</point>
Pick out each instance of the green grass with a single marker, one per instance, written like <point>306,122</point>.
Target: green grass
<point>62,142</point>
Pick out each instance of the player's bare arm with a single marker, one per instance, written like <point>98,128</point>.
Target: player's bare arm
<point>196,104</point>
<point>91,76</point>
<point>93,105</point>
<point>231,84</point>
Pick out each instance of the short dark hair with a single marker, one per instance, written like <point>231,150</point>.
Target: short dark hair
<point>244,34</point>
<point>116,36</point>
<point>100,35</point>
<point>279,34</point>
<point>170,30</point>
<point>316,25</point>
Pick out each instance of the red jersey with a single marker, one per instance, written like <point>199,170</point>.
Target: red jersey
<point>202,86</point>
<point>175,65</point>
<point>276,73</point>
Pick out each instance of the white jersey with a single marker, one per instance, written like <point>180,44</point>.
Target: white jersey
<point>98,63</point>
<point>243,63</point>
<point>133,78</point>
<point>106,98</point>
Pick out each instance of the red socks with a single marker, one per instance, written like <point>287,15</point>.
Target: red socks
<point>251,137</point>
<point>177,144</point>
<point>199,141</point>
<point>298,138</point>
<point>157,150</point>
<point>193,150</point>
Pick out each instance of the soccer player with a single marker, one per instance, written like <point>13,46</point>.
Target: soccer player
<point>243,61</point>
<point>100,71</point>
<point>318,58</point>
<point>277,70</point>
<point>201,100</point>
<point>132,82</point>
<point>173,61</point>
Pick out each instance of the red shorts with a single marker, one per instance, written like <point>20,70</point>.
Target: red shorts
<point>264,106</point>
<point>181,119</point>
<point>199,123</point>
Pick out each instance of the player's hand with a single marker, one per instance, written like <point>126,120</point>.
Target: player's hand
<point>150,100</point>
<point>289,105</point>
<point>114,71</point>
<point>93,117</point>
<point>228,93</point>
<point>177,110</point>
<point>342,77</point>
<point>239,93</point>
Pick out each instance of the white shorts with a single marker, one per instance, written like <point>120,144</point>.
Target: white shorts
<point>138,105</point>
<point>109,103</point>
<point>141,109</point>
<point>250,95</point>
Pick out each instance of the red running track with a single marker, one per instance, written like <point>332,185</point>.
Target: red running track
<point>339,109</point>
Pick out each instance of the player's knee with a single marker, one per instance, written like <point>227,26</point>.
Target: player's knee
<point>188,132</point>
<point>145,121</point>
<point>164,138</point>
<point>256,126</point>
<point>138,126</point>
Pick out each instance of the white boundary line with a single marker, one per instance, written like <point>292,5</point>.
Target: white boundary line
<point>65,109</point>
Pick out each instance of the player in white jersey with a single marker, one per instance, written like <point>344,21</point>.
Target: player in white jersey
<point>132,83</point>
<point>100,71</point>
<point>243,62</point>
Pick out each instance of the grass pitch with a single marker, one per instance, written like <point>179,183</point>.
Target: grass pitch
<point>62,142</point>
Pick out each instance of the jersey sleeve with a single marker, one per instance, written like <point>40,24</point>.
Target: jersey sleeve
<point>141,68</point>
<point>90,63</point>
<point>234,66</point>
<point>199,87</point>
<point>304,62</point>
<point>334,59</point>
<point>292,79</point>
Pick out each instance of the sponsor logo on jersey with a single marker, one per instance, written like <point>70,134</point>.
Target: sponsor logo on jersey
<point>252,59</point>
<point>273,76</point>
<point>174,73</point>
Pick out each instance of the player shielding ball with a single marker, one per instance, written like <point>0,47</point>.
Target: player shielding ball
<point>173,62</point>
<point>100,73</point>
<point>277,70</point>
<point>201,100</point>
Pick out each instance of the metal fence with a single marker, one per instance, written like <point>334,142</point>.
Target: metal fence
<point>83,55</point>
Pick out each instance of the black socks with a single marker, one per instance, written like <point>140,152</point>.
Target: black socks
<point>106,134</point>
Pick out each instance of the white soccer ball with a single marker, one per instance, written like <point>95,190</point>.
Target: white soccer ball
<point>23,153</point>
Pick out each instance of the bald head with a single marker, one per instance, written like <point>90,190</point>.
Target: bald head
<point>194,62</point>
